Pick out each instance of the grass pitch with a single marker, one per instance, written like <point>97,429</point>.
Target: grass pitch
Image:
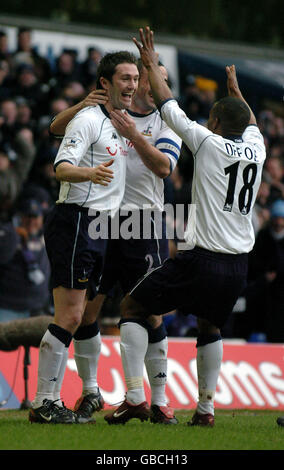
<point>234,430</point>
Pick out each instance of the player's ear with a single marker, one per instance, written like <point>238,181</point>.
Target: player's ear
<point>215,124</point>
<point>104,83</point>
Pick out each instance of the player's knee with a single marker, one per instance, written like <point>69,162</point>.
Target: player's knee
<point>207,328</point>
<point>74,319</point>
<point>129,308</point>
<point>155,321</point>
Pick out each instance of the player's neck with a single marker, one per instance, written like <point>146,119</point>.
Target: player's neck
<point>109,107</point>
<point>140,108</point>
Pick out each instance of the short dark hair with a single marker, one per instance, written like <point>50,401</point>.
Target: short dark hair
<point>233,114</point>
<point>109,62</point>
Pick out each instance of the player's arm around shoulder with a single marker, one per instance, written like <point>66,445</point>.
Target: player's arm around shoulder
<point>62,119</point>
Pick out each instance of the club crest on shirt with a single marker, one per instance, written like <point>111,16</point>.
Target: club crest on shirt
<point>83,278</point>
<point>147,132</point>
<point>71,142</point>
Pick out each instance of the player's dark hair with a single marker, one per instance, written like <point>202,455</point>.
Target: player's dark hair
<point>108,63</point>
<point>233,115</point>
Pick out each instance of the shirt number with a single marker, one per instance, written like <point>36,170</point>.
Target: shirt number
<point>246,192</point>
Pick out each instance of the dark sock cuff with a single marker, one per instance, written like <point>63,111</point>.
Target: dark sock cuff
<point>141,322</point>
<point>87,331</point>
<point>202,340</point>
<point>157,334</point>
<point>60,333</point>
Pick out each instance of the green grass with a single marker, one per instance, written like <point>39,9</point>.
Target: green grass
<point>234,430</point>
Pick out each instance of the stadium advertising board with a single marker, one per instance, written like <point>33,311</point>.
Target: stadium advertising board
<point>252,376</point>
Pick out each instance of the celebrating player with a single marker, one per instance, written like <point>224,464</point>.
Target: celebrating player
<point>207,279</point>
<point>90,179</point>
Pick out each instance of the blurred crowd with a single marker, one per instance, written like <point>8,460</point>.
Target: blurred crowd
<point>33,90</point>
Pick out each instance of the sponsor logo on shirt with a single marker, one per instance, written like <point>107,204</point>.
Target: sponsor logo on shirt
<point>114,149</point>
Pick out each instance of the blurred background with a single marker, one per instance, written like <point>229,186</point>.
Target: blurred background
<point>48,60</point>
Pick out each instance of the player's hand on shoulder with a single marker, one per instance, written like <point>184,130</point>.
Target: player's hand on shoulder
<point>102,174</point>
<point>95,97</point>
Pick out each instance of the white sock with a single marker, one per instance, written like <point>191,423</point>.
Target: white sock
<point>86,354</point>
<point>51,353</point>
<point>209,358</point>
<point>58,383</point>
<point>133,347</point>
<point>156,365</point>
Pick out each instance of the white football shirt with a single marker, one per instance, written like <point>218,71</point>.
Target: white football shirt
<point>143,187</point>
<point>90,139</point>
<point>227,175</point>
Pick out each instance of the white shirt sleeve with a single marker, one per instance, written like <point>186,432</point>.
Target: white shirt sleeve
<point>80,133</point>
<point>189,131</point>
<point>253,136</point>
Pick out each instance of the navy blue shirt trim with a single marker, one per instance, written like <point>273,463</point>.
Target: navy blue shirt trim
<point>235,138</point>
<point>106,113</point>
<point>160,105</point>
<point>134,114</point>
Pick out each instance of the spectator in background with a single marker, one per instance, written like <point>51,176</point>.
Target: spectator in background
<point>8,110</point>
<point>26,54</point>
<point>198,97</point>
<point>207,94</point>
<point>90,65</point>
<point>261,213</point>
<point>265,294</point>
<point>73,92</point>
<point>43,173</point>
<point>28,86</point>
<point>274,175</point>
<point>14,170</point>
<point>34,191</point>
<point>66,71</point>
<point>28,270</point>
<point>4,50</point>
<point>190,101</point>
<point>5,79</point>
<point>24,115</point>
<point>57,105</point>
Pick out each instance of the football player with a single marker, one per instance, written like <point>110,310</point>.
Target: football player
<point>90,179</point>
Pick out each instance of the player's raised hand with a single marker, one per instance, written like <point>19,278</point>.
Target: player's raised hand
<point>95,97</point>
<point>101,174</point>
<point>232,81</point>
<point>146,49</point>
